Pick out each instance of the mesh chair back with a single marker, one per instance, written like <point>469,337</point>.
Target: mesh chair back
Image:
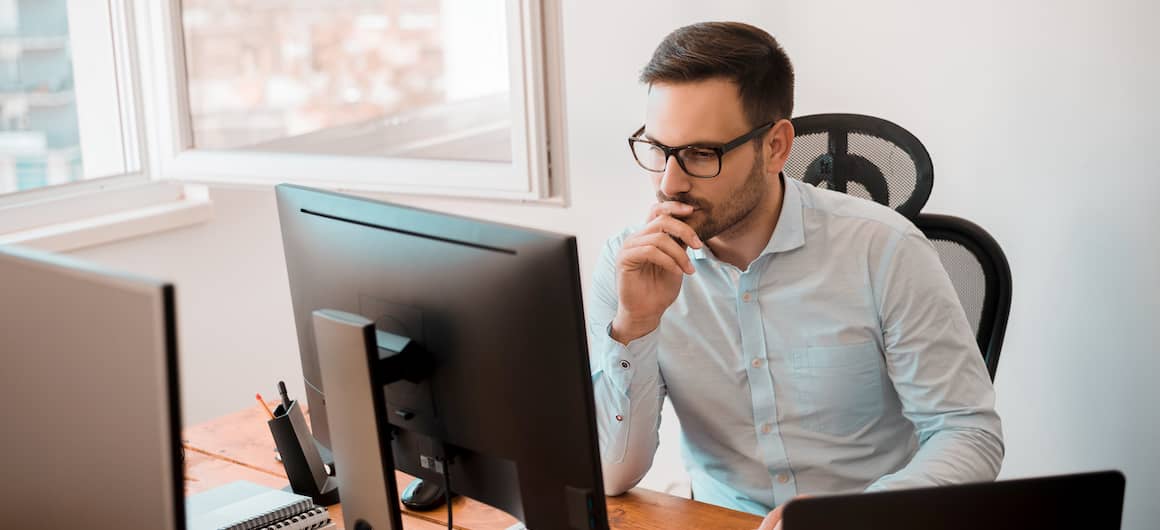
<point>981,276</point>
<point>863,156</point>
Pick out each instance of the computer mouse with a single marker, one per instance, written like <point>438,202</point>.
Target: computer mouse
<point>423,495</point>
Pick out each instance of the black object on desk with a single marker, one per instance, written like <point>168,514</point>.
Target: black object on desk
<point>282,393</point>
<point>300,456</point>
<point>423,495</point>
<point>1087,501</point>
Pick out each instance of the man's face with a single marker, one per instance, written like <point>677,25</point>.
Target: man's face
<point>706,113</point>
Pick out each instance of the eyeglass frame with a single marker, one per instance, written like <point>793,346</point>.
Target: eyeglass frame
<point>721,150</point>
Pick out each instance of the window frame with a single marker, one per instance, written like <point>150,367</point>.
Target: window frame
<point>535,95</point>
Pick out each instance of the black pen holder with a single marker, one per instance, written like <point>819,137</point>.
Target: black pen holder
<point>300,456</point>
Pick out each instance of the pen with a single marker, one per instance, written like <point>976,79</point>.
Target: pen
<point>265,407</point>
<point>285,398</point>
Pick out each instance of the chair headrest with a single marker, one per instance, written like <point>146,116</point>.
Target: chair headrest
<point>863,156</point>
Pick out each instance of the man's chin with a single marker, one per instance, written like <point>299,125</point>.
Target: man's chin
<point>706,229</point>
<point>705,232</point>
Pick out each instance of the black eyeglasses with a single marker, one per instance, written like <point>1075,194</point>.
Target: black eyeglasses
<point>699,161</point>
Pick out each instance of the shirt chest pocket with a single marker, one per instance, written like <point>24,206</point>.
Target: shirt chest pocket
<point>838,390</point>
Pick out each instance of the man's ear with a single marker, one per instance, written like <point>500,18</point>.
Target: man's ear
<point>778,141</point>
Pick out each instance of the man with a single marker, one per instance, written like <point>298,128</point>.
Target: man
<point>810,342</point>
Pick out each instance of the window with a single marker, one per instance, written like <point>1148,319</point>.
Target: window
<point>428,96</point>
<point>101,99</point>
<point>63,115</point>
<point>72,153</point>
<point>422,79</point>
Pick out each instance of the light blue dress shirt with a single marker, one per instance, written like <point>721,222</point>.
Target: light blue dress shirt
<point>839,361</point>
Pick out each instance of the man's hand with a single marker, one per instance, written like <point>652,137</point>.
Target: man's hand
<point>773,520</point>
<point>650,268</point>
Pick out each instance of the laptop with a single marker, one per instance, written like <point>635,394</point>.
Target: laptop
<point>1088,501</point>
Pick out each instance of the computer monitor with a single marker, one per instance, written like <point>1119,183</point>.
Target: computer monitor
<point>88,397</point>
<point>499,310</point>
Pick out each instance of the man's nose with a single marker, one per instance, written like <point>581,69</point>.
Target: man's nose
<point>674,180</point>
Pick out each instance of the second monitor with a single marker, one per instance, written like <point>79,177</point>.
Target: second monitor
<point>498,309</point>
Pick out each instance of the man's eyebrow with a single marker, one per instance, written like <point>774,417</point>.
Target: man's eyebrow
<point>704,143</point>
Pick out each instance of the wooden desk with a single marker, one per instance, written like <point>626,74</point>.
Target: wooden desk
<point>239,447</point>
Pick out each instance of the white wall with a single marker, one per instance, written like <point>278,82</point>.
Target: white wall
<point>1041,120</point>
<point>235,325</point>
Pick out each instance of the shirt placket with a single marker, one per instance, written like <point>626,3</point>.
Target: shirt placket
<point>754,352</point>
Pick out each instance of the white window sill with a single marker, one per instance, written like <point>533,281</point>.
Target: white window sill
<point>127,213</point>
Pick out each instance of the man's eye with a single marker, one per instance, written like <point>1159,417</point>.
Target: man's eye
<point>700,154</point>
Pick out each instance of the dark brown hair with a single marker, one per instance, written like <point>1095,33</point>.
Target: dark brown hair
<point>746,55</point>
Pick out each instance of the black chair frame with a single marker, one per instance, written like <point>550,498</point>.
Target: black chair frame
<point>996,272</point>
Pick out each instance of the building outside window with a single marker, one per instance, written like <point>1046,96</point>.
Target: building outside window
<point>398,78</point>
<point>39,138</point>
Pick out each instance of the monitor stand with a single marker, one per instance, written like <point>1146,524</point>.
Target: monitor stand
<point>359,434</point>
<point>359,360</point>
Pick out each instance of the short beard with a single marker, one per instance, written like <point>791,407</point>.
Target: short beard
<point>733,210</point>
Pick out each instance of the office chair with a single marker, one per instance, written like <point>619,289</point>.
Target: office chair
<point>878,160</point>
<point>981,276</point>
<point>863,156</point>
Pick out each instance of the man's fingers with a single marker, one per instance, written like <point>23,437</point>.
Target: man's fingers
<point>671,208</point>
<point>773,520</point>
<point>676,228</point>
<point>636,256</point>
<point>666,244</point>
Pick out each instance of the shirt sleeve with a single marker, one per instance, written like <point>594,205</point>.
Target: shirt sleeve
<point>626,382</point>
<point>935,365</point>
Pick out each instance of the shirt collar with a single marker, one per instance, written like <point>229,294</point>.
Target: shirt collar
<point>789,233</point>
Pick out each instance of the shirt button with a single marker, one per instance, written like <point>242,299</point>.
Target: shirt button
<point>746,297</point>
<point>757,363</point>
<point>625,364</point>
<point>619,417</point>
<point>782,478</point>
<point>766,428</point>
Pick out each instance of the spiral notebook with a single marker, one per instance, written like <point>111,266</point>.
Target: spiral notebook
<point>313,519</point>
<point>244,505</point>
